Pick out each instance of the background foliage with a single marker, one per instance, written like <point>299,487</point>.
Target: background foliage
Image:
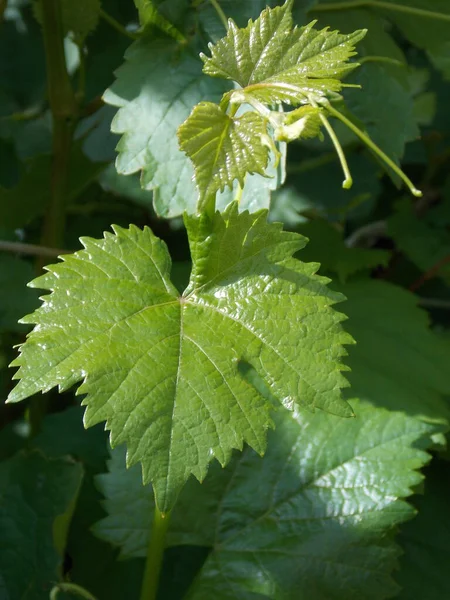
<point>333,518</point>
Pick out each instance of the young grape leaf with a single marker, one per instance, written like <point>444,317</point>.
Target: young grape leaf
<point>36,495</point>
<point>398,362</point>
<point>426,540</point>
<point>274,62</point>
<point>162,370</point>
<point>223,148</point>
<point>320,527</point>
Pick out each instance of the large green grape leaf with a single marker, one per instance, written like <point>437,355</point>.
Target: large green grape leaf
<point>37,495</point>
<point>426,540</point>
<point>162,370</point>
<point>274,62</point>
<point>320,526</point>
<point>155,91</point>
<point>398,362</point>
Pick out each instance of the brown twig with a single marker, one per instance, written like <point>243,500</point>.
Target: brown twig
<point>432,272</point>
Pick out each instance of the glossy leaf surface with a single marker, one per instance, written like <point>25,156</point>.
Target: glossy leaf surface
<point>274,62</point>
<point>320,525</point>
<point>162,370</point>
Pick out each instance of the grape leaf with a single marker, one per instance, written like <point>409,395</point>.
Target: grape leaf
<point>155,90</point>
<point>398,362</point>
<point>36,493</point>
<point>425,540</point>
<point>223,148</point>
<point>273,62</point>
<point>162,370</point>
<point>320,527</point>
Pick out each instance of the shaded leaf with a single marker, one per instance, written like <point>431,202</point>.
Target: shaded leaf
<point>425,541</point>
<point>162,370</point>
<point>424,239</point>
<point>327,247</point>
<point>398,362</point>
<point>155,91</point>
<point>319,527</point>
<point>15,299</point>
<point>80,17</point>
<point>30,197</point>
<point>36,492</point>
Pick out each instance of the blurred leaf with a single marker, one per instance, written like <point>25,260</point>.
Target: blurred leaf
<point>327,247</point>
<point>426,541</point>
<point>63,433</point>
<point>425,240</point>
<point>35,492</point>
<point>80,17</point>
<point>16,299</point>
<point>398,362</point>
<point>30,197</point>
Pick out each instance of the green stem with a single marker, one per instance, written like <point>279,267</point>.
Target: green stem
<point>64,111</point>
<point>409,10</point>
<point>221,14</point>
<point>348,181</point>
<point>155,553</point>
<point>381,59</point>
<point>117,26</point>
<point>366,139</point>
<point>70,588</point>
<point>239,191</point>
